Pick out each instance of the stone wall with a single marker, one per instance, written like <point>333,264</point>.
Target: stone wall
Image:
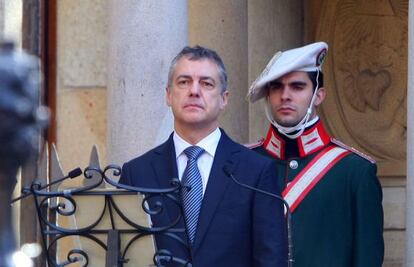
<point>245,33</point>
<point>366,104</point>
<point>82,44</point>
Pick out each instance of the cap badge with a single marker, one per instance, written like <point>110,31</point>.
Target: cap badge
<point>321,57</point>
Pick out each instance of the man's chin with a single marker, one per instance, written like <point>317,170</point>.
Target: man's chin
<point>194,121</point>
<point>287,123</point>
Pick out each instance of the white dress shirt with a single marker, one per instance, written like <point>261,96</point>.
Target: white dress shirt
<point>205,161</point>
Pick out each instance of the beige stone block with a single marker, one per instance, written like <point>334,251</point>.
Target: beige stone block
<point>393,264</point>
<point>394,207</point>
<point>11,21</point>
<point>394,248</point>
<point>82,43</point>
<point>393,181</point>
<point>81,123</point>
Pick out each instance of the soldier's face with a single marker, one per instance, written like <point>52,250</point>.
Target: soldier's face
<point>290,96</point>
<point>195,94</point>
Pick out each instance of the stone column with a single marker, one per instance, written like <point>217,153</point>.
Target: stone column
<point>409,255</point>
<point>273,26</point>
<point>222,26</point>
<point>144,37</point>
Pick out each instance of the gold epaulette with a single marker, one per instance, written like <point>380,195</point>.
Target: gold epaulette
<point>255,144</point>
<point>352,149</point>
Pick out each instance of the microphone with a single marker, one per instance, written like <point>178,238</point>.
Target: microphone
<point>229,173</point>
<point>72,174</point>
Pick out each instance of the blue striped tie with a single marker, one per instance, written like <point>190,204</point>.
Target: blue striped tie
<point>193,196</point>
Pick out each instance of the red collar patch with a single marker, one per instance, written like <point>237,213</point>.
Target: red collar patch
<point>274,144</point>
<point>310,141</point>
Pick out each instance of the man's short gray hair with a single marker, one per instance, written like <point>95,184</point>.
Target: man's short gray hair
<point>197,53</point>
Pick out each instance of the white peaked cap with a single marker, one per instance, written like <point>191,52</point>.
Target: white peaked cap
<point>306,58</point>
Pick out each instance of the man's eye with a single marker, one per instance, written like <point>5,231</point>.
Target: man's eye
<point>206,84</point>
<point>274,87</point>
<point>183,83</point>
<point>298,87</point>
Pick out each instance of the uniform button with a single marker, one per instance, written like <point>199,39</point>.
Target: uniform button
<point>293,164</point>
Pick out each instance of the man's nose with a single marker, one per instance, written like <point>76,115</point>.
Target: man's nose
<point>285,94</point>
<point>195,88</point>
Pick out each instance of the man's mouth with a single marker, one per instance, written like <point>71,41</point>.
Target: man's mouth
<point>193,106</point>
<point>285,109</point>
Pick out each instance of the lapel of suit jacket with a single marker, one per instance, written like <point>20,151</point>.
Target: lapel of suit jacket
<point>164,164</point>
<point>165,167</point>
<point>217,184</point>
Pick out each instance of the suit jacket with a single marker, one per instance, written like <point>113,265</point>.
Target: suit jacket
<point>236,227</point>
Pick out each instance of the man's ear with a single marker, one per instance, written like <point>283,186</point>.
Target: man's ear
<point>320,96</point>
<point>168,96</point>
<point>225,99</point>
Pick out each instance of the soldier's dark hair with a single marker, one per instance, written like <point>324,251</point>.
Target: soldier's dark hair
<point>312,76</point>
<point>196,53</point>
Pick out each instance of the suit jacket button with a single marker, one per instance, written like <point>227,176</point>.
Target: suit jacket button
<point>293,164</point>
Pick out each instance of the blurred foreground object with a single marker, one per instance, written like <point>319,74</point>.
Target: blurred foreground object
<point>21,119</point>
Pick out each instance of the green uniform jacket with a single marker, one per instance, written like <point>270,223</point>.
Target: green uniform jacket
<point>340,222</point>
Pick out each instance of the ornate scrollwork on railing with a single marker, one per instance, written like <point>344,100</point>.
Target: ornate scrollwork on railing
<point>163,257</point>
<point>88,213</point>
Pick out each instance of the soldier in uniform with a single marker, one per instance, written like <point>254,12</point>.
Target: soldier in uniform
<point>332,189</point>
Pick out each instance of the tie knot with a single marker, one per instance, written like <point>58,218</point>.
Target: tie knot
<point>193,152</point>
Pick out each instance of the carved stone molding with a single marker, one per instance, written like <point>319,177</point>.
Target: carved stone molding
<point>366,77</point>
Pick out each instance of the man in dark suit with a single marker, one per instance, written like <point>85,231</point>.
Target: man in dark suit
<point>226,225</point>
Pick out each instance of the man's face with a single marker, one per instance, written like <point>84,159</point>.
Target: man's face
<point>195,94</point>
<point>290,96</point>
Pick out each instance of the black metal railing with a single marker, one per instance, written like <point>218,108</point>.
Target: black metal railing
<point>53,206</point>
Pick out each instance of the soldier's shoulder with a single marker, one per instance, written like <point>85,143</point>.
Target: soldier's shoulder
<point>254,145</point>
<point>353,150</point>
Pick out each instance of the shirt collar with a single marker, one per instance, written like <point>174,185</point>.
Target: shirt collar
<point>208,143</point>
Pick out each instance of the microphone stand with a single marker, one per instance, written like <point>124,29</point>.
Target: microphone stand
<point>288,212</point>
<point>72,174</point>
<point>190,246</point>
